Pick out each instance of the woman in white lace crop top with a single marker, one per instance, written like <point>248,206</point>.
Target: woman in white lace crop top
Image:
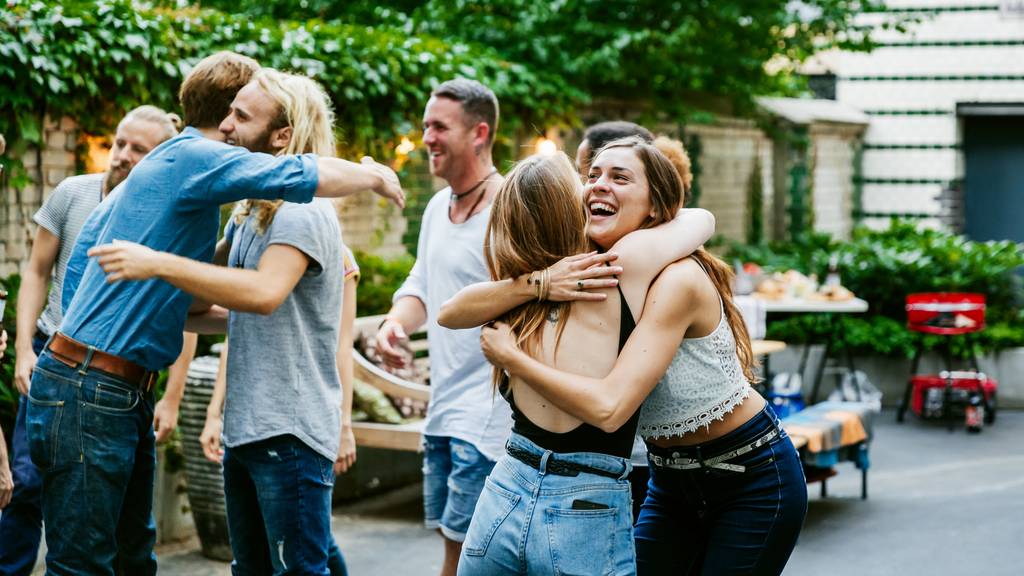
<point>727,492</point>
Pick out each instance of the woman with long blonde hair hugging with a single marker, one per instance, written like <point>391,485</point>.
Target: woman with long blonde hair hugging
<point>727,493</point>
<point>558,502</point>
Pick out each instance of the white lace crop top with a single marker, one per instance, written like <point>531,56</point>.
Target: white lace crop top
<point>703,383</point>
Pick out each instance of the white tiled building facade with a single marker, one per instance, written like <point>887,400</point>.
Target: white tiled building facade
<point>918,89</point>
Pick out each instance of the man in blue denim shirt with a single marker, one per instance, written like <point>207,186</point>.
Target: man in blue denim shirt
<point>90,412</point>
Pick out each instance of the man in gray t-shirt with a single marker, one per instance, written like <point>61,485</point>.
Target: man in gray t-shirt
<point>282,375</point>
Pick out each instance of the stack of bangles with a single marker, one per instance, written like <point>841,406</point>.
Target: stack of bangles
<point>542,280</point>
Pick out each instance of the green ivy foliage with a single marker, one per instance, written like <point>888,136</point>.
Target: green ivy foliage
<point>624,49</point>
<point>883,266</point>
<point>379,279</point>
<point>94,59</point>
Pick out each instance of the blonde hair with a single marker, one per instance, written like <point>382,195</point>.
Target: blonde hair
<point>537,219</point>
<point>303,105</point>
<point>168,121</point>
<point>675,152</point>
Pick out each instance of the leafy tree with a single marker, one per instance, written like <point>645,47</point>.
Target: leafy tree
<point>650,49</point>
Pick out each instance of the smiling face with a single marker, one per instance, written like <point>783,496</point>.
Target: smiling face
<point>250,122</point>
<point>448,137</point>
<point>617,196</point>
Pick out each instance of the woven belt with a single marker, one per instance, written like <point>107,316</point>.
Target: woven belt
<point>74,354</point>
<point>718,462</point>
<point>557,467</point>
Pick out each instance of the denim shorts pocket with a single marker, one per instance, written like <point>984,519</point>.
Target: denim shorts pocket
<point>492,509</point>
<point>42,424</point>
<point>582,541</point>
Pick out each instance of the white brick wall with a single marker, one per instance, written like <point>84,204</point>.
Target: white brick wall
<point>942,26</point>
<point>832,160</point>
<point>727,160</point>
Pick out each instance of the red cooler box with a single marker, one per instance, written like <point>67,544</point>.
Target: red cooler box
<point>929,392</point>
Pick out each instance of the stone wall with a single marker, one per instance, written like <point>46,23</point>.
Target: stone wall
<point>731,151</point>
<point>832,157</point>
<point>47,167</point>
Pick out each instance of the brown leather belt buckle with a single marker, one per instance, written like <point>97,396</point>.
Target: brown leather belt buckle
<point>75,354</point>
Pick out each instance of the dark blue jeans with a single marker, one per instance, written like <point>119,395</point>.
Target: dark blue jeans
<point>712,521</point>
<point>21,522</point>
<point>91,434</point>
<point>278,496</point>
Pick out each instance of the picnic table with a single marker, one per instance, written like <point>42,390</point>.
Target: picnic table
<point>832,308</point>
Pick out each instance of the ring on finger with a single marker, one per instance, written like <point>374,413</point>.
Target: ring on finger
<point>579,284</point>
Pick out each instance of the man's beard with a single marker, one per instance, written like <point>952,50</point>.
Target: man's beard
<point>116,174</point>
<point>261,144</point>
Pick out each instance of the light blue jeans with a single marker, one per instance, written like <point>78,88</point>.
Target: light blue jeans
<point>531,521</point>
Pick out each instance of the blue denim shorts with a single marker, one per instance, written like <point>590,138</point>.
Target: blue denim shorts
<point>531,521</point>
<point>453,476</point>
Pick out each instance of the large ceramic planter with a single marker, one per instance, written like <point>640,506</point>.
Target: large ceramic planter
<point>170,501</point>
<point>205,480</point>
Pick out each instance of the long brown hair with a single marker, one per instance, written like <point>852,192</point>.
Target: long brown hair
<point>536,220</point>
<point>666,188</point>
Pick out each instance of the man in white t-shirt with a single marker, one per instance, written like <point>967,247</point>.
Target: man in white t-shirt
<point>466,425</point>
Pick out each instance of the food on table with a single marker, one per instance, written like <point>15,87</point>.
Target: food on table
<point>794,284</point>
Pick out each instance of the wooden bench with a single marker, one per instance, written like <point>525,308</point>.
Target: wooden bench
<point>406,436</point>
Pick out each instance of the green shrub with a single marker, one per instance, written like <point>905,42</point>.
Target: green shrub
<point>8,392</point>
<point>379,280</point>
<point>883,266</point>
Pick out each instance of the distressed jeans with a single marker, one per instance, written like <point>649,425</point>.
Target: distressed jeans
<point>278,497</point>
<point>91,435</point>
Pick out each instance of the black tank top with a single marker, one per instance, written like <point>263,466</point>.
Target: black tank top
<point>583,438</point>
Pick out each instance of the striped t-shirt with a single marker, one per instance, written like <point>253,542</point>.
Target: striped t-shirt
<point>63,214</point>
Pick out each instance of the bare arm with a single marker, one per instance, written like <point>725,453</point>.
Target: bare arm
<point>606,402</point>
<point>6,479</point>
<point>646,252</point>
<point>165,413</point>
<point>31,299</point>
<point>210,437</point>
<point>346,373</point>
<point>260,291</point>
<point>482,302</point>
<point>220,258</point>
<point>213,321</point>
<point>337,178</point>
<point>407,314</point>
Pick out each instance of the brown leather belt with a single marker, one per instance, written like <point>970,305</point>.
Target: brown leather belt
<point>75,354</point>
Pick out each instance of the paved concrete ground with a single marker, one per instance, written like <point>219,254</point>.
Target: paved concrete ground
<point>940,504</point>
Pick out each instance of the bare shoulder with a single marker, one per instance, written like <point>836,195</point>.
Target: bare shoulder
<point>683,285</point>
<point>683,274</point>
